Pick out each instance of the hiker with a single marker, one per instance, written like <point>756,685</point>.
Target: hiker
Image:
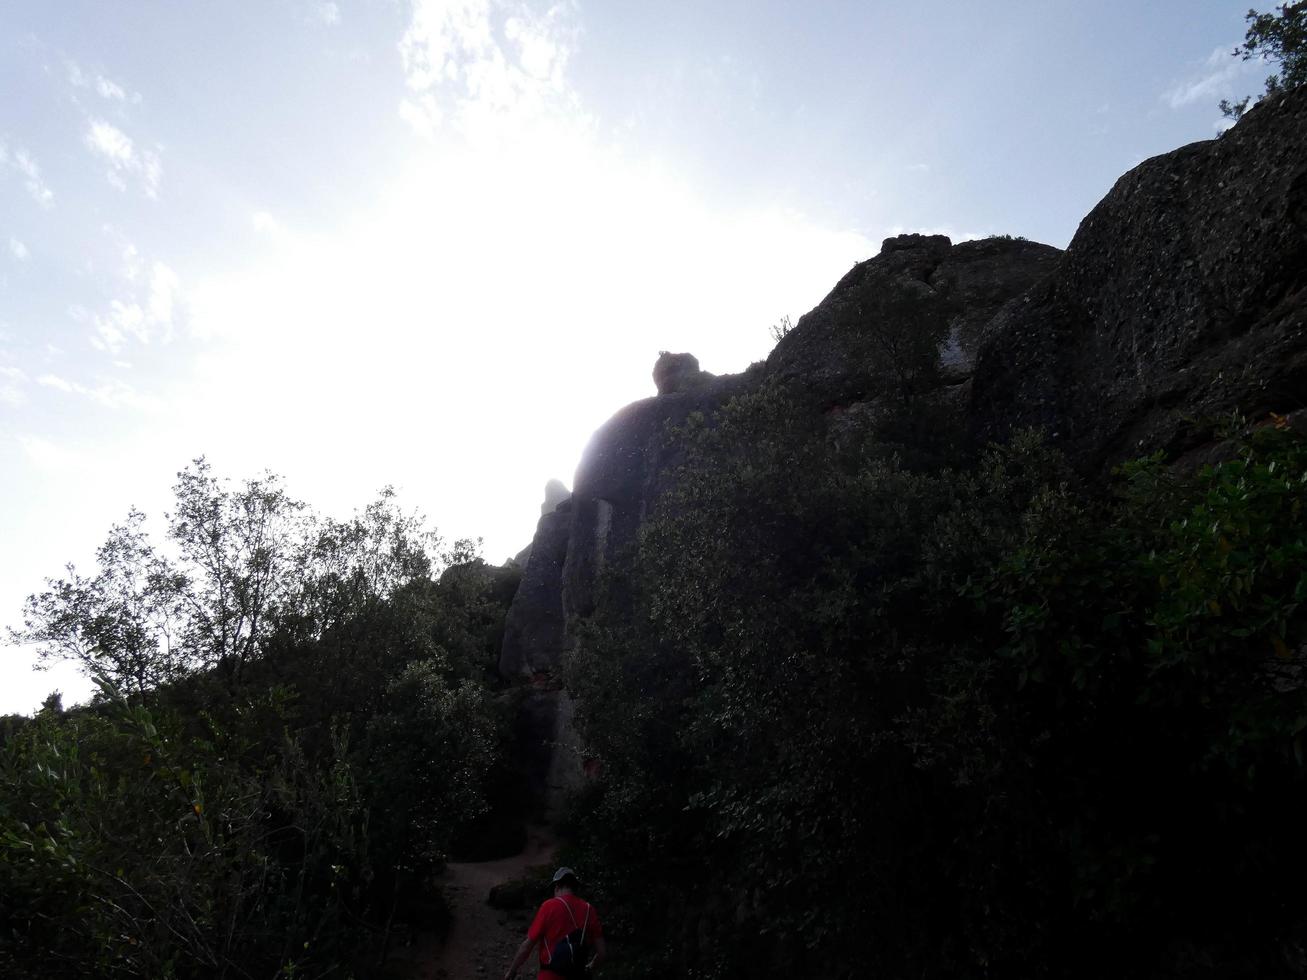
<point>567,930</point>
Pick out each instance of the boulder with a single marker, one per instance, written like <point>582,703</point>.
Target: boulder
<point>1179,301</point>
<point>838,353</point>
<point>675,373</point>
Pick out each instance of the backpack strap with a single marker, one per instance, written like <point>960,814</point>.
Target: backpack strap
<point>570,912</point>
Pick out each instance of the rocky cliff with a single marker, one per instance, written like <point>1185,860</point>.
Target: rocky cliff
<point>1179,301</point>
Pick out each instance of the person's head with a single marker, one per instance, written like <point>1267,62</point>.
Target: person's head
<point>565,880</point>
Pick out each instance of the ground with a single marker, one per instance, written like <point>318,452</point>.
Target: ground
<point>481,940</point>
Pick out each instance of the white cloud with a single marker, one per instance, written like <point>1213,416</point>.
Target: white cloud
<point>265,224</point>
<point>106,88</point>
<point>54,381</point>
<point>488,66</point>
<point>146,316</point>
<point>12,383</point>
<point>1217,81</point>
<point>330,14</point>
<point>125,157</point>
<point>109,89</point>
<point>22,161</point>
<point>110,394</point>
<point>18,250</point>
<point>111,142</point>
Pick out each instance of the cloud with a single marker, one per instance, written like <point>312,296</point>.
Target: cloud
<point>18,250</point>
<point>110,394</point>
<point>106,88</point>
<point>22,161</point>
<point>12,383</point>
<point>487,66</point>
<point>148,315</point>
<point>1217,81</point>
<point>109,89</point>
<point>47,455</point>
<point>124,157</point>
<point>266,224</point>
<point>329,13</point>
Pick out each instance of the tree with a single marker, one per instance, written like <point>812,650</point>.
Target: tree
<point>248,565</point>
<point>125,623</point>
<point>239,551</point>
<point>1279,37</point>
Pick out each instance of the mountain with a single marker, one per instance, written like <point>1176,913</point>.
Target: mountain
<point>1178,305</point>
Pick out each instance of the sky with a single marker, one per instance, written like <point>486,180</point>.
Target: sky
<point>436,243</point>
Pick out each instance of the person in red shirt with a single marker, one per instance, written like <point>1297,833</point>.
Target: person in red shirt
<point>555,919</point>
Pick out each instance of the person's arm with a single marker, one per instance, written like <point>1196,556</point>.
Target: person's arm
<point>601,950</point>
<point>523,952</point>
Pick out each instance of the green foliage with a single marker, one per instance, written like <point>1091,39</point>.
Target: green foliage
<point>295,722</point>
<point>981,722</point>
<point>1281,38</point>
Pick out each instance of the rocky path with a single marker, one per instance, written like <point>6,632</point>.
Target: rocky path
<point>481,940</point>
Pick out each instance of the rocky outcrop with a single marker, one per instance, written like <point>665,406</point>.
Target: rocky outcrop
<point>556,493</point>
<point>840,352</point>
<point>535,630</point>
<point>625,468</point>
<point>675,373</point>
<point>1180,300</point>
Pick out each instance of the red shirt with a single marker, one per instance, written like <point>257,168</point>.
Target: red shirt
<point>554,920</point>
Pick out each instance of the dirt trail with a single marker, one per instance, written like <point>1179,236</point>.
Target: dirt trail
<point>481,940</point>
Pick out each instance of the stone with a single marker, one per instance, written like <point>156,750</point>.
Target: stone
<point>832,353</point>
<point>534,628</point>
<point>1181,299</point>
<point>674,373</point>
<point>555,494</point>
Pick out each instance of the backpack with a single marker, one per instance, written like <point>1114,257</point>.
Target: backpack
<point>571,953</point>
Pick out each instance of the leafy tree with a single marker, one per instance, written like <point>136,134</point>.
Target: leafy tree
<point>248,568</point>
<point>295,721</point>
<point>127,621</point>
<point>238,552</point>
<point>951,723</point>
<point>1280,38</point>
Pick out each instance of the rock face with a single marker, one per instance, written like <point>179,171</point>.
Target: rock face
<point>835,351</point>
<point>555,494</point>
<point>1181,297</point>
<point>674,373</point>
<point>534,628</point>
<point>623,471</point>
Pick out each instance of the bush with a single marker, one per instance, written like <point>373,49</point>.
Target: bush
<point>981,722</point>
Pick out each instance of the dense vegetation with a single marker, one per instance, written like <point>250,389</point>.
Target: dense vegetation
<point>862,704</point>
<point>858,717</point>
<point>296,723</point>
